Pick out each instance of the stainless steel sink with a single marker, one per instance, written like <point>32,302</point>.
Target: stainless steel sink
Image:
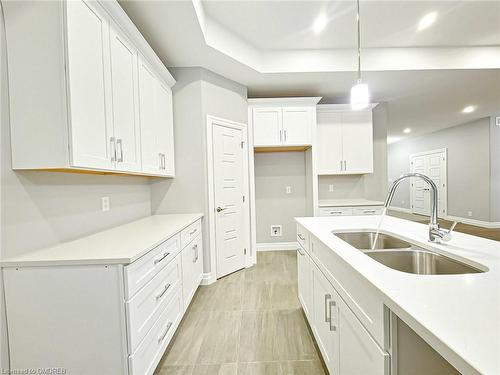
<point>365,240</point>
<point>421,262</point>
<point>404,256</point>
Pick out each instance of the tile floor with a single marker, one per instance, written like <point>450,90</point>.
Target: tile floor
<point>247,323</point>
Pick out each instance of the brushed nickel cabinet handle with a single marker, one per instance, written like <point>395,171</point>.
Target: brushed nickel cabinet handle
<point>327,317</point>
<point>331,305</point>
<point>164,334</point>
<point>160,259</point>
<point>284,135</point>
<point>120,142</point>
<point>112,144</point>
<point>163,292</point>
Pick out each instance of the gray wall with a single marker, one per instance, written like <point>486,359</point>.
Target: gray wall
<point>495,170</point>
<point>197,93</point>
<point>41,209</point>
<point>369,186</point>
<point>273,172</point>
<point>468,166</point>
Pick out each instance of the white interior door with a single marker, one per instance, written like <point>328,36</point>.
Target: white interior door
<point>88,76</point>
<point>125,103</point>
<point>434,165</point>
<point>228,173</point>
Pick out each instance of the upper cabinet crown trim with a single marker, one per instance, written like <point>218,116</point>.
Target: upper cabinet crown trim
<point>116,12</point>
<point>341,107</point>
<point>284,101</point>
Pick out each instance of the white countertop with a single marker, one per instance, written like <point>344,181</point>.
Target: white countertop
<point>120,245</point>
<point>348,202</point>
<point>458,315</point>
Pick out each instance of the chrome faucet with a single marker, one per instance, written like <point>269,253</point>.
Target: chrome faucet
<point>435,233</point>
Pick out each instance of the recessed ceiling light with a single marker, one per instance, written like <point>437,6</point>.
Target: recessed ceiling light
<point>407,130</point>
<point>469,109</point>
<point>319,23</point>
<point>427,21</point>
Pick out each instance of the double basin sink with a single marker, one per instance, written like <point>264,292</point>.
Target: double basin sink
<point>404,256</point>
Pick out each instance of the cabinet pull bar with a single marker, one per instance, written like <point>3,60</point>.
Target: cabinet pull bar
<point>300,251</point>
<point>160,259</point>
<point>301,236</point>
<point>193,231</point>
<point>195,253</point>
<point>333,327</point>
<point>113,147</point>
<point>163,292</point>
<point>281,140</point>
<point>120,142</point>
<point>284,134</point>
<point>164,334</point>
<point>327,317</point>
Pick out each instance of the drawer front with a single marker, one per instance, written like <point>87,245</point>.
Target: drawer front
<point>303,237</point>
<point>145,268</point>
<point>190,233</point>
<point>336,211</point>
<point>356,292</point>
<point>146,305</point>
<point>192,269</point>
<point>148,354</point>
<point>375,210</point>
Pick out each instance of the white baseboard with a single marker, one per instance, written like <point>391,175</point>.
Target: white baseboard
<point>208,279</point>
<point>275,246</point>
<point>477,223</point>
<point>463,220</point>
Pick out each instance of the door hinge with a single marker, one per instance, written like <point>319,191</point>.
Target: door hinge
<point>245,251</point>
<point>243,198</point>
<point>242,143</point>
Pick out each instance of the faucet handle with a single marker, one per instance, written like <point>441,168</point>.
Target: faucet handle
<point>447,235</point>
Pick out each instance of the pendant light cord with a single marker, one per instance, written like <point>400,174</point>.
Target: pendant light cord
<point>359,45</point>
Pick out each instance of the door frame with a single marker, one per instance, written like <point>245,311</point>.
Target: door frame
<point>443,151</point>
<point>211,121</point>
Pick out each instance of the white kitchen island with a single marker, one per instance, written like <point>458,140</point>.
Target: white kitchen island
<point>350,299</point>
<point>108,303</point>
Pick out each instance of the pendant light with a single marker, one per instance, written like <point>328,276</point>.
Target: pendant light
<point>360,95</point>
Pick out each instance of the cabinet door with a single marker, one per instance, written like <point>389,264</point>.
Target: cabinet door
<point>165,132</point>
<point>304,281</point>
<point>297,125</point>
<point>88,75</point>
<point>267,126</point>
<point>192,269</point>
<point>151,157</point>
<point>359,353</point>
<point>329,143</point>
<point>125,103</point>
<point>324,310</point>
<point>357,138</point>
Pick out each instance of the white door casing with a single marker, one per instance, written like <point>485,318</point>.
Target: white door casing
<point>229,210</point>
<point>434,165</point>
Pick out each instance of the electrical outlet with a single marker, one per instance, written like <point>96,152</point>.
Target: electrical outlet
<point>276,230</point>
<point>469,214</point>
<point>330,188</point>
<point>288,190</point>
<point>105,206</point>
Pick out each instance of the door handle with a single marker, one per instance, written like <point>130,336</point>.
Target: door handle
<point>220,209</point>
<point>120,142</point>
<point>328,317</point>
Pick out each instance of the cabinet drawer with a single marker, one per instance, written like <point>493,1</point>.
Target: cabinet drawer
<point>189,233</point>
<point>358,294</point>
<point>147,304</point>
<point>375,210</point>
<point>335,211</point>
<point>145,268</point>
<point>303,237</point>
<point>148,354</point>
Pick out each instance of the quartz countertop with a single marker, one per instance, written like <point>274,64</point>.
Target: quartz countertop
<point>458,315</point>
<point>348,202</point>
<point>119,245</point>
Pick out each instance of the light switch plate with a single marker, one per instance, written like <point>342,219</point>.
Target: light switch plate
<point>288,190</point>
<point>330,188</point>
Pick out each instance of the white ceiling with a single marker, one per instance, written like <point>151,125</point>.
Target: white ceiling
<point>287,24</point>
<point>268,46</point>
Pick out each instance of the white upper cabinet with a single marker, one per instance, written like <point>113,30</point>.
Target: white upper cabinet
<point>285,122</point>
<point>91,129</point>
<point>91,106</point>
<point>344,140</point>
<point>125,106</point>
<point>268,123</point>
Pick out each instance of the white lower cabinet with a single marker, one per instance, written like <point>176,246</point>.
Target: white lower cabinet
<point>113,319</point>
<point>346,346</point>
